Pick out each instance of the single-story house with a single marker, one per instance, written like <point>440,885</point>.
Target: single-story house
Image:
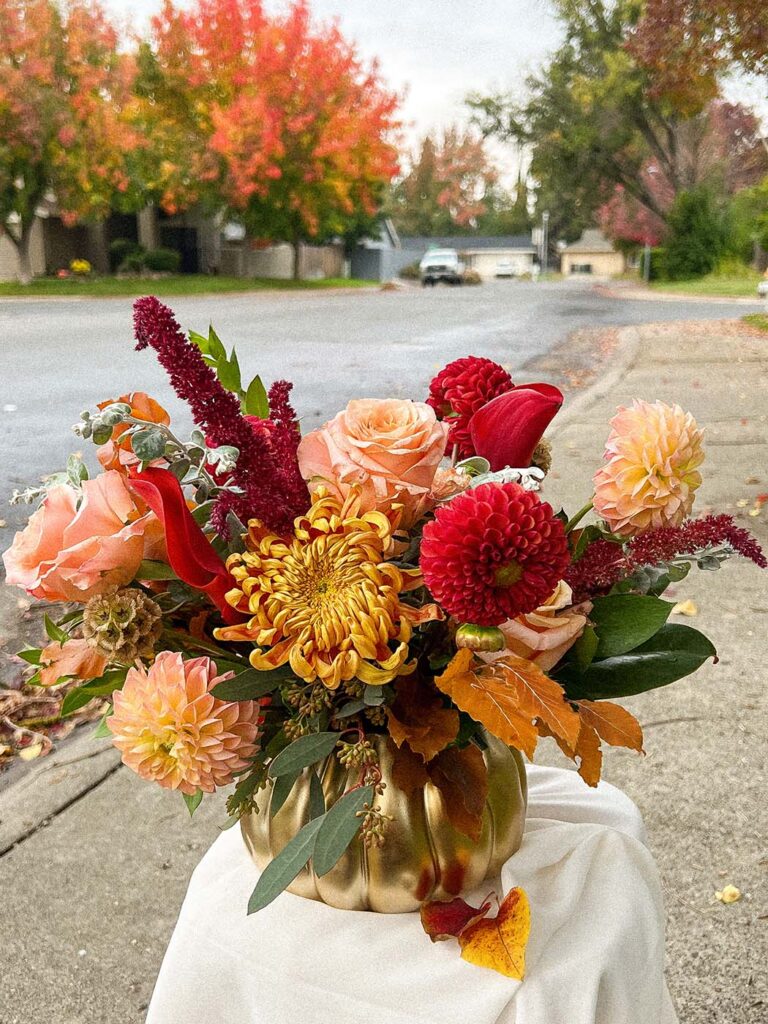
<point>490,256</point>
<point>592,254</point>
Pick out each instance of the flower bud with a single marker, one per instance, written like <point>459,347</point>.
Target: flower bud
<point>487,639</point>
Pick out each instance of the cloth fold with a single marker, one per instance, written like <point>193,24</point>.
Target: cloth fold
<point>595,954</point>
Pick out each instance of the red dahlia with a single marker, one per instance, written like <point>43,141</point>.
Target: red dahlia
<point>493,553</point>
<point>460,389</point>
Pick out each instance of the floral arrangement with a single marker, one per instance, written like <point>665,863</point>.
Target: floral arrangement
<point>251,601</point>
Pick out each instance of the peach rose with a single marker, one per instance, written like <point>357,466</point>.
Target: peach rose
<point>545,634</point>
<point>389,447</point>
<point>66,553</point>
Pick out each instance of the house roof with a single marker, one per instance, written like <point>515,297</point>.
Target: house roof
<point>592,240</point>
<point>468,243</point>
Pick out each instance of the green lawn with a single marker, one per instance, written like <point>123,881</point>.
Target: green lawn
<point>758,320</point>
<point>714,285</point>
<point>186,284</point>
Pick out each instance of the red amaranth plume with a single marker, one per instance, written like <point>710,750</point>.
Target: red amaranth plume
<point>600,567</point>
<point>267,474</point>
<point>695,535</point>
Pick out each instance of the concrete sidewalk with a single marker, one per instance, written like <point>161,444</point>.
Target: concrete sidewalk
<point>96,861</point>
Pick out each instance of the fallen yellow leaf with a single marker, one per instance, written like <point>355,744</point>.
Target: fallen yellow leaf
<point>730,894</point>
<point>31,752</point>
<point>499,942</point>
<point>686,608</point>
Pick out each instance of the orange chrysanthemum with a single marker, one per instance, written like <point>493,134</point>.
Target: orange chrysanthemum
<point>326,601</point>
<point>653,454</point>
<point>172,730</point>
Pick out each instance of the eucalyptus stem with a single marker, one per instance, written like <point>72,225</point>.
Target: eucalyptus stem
<point>575,520</point>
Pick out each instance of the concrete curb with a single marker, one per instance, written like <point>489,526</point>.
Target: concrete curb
<point>621,364</point>
<point>53,784</point>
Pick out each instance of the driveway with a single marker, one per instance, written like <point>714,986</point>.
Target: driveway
<point>62,356</point>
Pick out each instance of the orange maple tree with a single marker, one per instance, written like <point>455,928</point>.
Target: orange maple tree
<point>269,116</point>
<point>63,87</point>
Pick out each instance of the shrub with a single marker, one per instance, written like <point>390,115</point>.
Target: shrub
<point>120,249</point>
<point>162,261</point>
<point>471,277</point>
<point>732,266</point>
<point>658,264</point>
<point>411,272</point>
<point>132,264</point>
<point>695,241</point>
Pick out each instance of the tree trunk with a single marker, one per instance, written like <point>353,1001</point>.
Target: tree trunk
<point>296,246</point>
<point>21,244</point>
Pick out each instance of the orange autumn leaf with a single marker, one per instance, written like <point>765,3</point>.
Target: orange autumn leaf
<point>499,943</point>
<point>73,659</point>
<point>409,773</point>
<point>418,717</point>
<point>491,701</point>
<point>539,696</point>
<point>446,919</point>
<point>589,754</point>
<point>613,723</point>
<point>462,778</point>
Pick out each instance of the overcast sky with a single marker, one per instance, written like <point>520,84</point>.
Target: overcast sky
<point>437,50</point>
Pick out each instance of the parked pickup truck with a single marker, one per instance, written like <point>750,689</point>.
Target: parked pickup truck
<point>441,265</point>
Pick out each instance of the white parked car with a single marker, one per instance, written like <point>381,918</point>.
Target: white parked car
<point>762,289</point>
<point>441,265</point>
<point>505,268</point>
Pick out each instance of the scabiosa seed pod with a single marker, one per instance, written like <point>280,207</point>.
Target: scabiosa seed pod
<point>123,624</point>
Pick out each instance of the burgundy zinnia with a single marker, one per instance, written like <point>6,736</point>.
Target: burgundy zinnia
<point>459,390</point>
<point>493,553</point>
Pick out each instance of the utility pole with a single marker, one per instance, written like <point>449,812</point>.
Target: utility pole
<point>544,242</point>
<point>647,263</point>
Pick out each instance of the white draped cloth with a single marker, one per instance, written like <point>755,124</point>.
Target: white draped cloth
<point>595,954</point>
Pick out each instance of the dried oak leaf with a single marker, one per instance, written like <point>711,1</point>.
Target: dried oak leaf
<point>443,920</point>
<point>613,723</point>
<point>75,658</point>
<point>418,717</point>
<point>409,772</point>
<point>499,943</point>
<point>462,778</point>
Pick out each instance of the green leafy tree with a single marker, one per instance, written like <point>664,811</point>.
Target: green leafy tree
<point>695,239</point>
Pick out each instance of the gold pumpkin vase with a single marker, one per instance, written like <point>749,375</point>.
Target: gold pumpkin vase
<point>423,856</point>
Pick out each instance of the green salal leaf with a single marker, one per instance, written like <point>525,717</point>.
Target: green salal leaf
<point>353,708</point>
<point>31,655</point>
<point>281,790</point>
<point>340,826</point>
<point>303,752</point>
<point>148,444</point>
<point>256,402</point>
<point>282,870</point>
<point>228,371</point>
<point>102,732</point>
<point>151,570</point>
<point>624,621</point>
<point>250,685</point>
<point>584,650</point>
<point>193,801</point>
<point>54,632</point>
<point>673,652</point>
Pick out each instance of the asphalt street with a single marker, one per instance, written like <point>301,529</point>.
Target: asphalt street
<point>62,356</point>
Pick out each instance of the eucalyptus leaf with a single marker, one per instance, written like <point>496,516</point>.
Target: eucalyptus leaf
<point>624,621</point>
<point>374,696</point>
<point>340,826</point>
<point>304,751</point>
<point>250,685</point>
<point>673,652</point>
<point>354,707</point>
<point>281,790</point>
<point>283,868</point>
<point>148,444</point>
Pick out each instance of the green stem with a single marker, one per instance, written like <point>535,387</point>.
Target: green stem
<point>575,520</point>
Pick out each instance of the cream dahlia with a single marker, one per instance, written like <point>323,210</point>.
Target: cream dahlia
<point>651,472</point>
<point>493,553</point>
<point>172,730</point>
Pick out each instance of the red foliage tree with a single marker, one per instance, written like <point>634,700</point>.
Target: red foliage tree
<point>270,117</point>
<point>63,85</point>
